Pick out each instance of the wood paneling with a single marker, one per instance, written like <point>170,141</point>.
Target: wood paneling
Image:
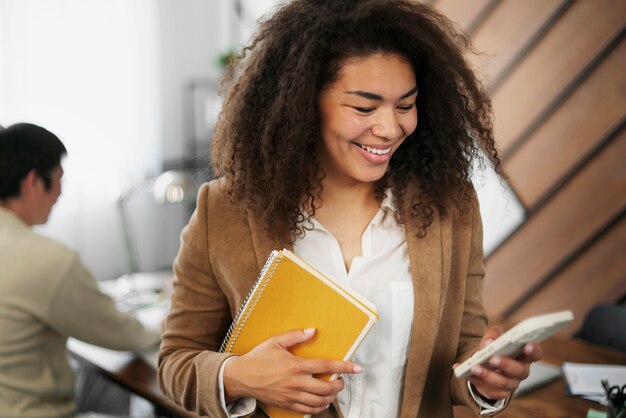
<point>563,224</point>
<point>508,31</point>
<point>558,84</point>
<point>597,275</point>
<point>462,12</point>
<point>572,131</point>
<point>572,43</point>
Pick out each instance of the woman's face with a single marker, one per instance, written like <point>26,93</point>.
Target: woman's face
<point>366,114</point>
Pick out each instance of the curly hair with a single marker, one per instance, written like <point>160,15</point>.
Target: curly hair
<point>266,135</point>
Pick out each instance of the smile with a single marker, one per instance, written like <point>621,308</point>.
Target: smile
<point>376,151</point>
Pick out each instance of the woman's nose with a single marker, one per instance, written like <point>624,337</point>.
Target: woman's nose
<point>387,126</point>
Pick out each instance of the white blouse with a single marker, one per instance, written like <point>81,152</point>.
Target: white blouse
<point>382,275</point>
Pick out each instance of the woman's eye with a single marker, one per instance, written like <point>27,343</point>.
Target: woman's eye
<point>406,108</point>
<point>363,109</point>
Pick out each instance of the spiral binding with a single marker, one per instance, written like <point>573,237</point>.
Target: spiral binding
<point>244,312</point>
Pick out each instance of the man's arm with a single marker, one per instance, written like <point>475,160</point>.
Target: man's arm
<point>80,310</point>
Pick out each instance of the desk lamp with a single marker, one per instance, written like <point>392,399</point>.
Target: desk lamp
<point>169,187</point>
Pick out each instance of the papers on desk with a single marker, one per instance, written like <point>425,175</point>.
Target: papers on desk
<point>137,290</point>
<point>584,379</point>
<point>152,315</point>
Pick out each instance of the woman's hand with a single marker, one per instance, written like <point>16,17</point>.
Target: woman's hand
<point>271,374</point>
<point>502,375</point>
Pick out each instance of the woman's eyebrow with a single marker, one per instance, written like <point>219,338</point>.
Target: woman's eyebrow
<point>409,93</point>
<point>374,96</point>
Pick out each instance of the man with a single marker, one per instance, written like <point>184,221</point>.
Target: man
<point>46,293</point>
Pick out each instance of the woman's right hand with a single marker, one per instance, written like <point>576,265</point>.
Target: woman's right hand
<point>271,374</point>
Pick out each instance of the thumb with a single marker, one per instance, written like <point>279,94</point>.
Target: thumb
<point>295,337</point>
<point>491,334</point>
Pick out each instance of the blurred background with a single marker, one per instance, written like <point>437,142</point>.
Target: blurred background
<point>130,87</point>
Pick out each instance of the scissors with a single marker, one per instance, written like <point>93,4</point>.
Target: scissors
<point>617,399</point>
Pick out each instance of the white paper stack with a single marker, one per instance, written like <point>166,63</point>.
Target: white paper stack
<point>584,379</point>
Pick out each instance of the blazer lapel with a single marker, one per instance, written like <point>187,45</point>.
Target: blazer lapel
<point>425,257</point>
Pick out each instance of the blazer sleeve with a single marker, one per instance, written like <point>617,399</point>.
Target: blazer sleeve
<point>199,317</point>
<point>474,319</point>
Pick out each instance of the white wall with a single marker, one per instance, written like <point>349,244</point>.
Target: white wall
<point>108,77</point>
<point>192,35</point>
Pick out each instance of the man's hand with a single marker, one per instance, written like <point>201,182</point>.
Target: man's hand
<point>271,374</point>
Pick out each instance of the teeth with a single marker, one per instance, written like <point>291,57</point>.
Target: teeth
<point>375,150</point>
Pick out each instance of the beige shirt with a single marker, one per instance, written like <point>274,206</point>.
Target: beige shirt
<point>46,296</point>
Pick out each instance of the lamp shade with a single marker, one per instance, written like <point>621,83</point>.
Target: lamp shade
<point>173,187</point>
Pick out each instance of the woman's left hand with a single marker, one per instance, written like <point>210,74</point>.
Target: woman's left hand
<point>501,375</point>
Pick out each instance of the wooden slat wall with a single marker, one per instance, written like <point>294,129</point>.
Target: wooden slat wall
<point>572,42</point>
<point>465,13</point>
<point>591,199</point>
<point>503,40</point>
<point>575,287</point>
<point>580,126</point>
<point>557,74</point>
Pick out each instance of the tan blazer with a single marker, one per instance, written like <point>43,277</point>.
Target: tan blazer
<point>221,255</point>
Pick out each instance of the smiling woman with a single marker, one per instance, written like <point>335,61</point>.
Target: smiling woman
<point>281,84</point>
<point>321,150</point>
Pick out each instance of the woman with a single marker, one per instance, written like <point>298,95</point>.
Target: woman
<point>321,150</point>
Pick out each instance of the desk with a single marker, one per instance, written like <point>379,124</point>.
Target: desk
<point>551,400</point>
<point>130,371</point>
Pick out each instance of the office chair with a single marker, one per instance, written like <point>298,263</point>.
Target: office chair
<point>605,325</point>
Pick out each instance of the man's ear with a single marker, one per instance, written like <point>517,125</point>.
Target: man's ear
<point>30,183</point>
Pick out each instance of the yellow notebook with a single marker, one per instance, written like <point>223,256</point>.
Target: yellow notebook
<point>290,294</point>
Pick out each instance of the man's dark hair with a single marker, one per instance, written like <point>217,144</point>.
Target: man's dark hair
<point>25,147</point>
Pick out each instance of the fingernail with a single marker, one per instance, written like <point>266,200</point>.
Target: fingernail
<point>495,361</point>
<point>477,370</point>
<point>309,330</point>
<point>357,369</point>
<point>488,341</point>
<point>327,406</point>
<point>528,349</point>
